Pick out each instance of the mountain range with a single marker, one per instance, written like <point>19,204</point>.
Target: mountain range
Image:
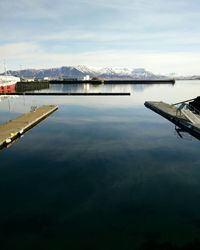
<point>81,71</point>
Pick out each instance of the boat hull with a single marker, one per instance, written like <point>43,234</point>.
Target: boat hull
<point>8,88</point>
<point>8,83</point>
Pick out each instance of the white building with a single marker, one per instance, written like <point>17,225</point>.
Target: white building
<point>86,78</point>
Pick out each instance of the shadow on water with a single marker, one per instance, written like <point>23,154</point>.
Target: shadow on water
<point>185,135</point>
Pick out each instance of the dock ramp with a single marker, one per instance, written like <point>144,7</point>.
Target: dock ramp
<point>183,118</point>
<point>191,116</point>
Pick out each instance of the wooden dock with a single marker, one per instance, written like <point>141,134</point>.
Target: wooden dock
<point>13,129</point>
<point>181,119</point>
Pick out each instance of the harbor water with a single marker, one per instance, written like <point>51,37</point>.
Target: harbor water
<point>102,172</point>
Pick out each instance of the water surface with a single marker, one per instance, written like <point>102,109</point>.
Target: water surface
<point>102,172</point>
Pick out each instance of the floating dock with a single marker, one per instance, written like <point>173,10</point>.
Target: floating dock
<point>165,81</point>
<point>184,119</point>
<point>13,129</point>
<point>96,82</point>
<point>66,94</point>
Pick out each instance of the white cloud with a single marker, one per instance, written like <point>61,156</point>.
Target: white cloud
<point>122,33</point>
<point>152,40</point>
<point>15,50</point>
<point>32,56</point>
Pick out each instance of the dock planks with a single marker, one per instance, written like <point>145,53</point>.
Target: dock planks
<point>12,129</point>
<point>165,109</point>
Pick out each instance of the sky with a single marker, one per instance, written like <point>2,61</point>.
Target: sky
<point>158,35</point>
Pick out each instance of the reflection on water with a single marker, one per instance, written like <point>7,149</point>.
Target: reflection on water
<point>185,135</point>
<point>101,173</point>
<point>101,88</point>
<point>181,133</point>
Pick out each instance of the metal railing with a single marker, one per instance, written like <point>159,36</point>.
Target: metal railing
<point>189,111</point>
<point>185,105</point>
<point>189,100</point>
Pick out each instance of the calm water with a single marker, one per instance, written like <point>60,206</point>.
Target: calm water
<point>100,173</point>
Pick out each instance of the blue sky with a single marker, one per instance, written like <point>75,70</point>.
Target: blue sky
<point>161,36</point>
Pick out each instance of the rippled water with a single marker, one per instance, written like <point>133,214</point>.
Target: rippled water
<point>102,172</point>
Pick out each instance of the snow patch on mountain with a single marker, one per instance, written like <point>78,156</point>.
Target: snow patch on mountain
<point>81,71</point>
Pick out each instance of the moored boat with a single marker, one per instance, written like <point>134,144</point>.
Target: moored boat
<point>8,83</point>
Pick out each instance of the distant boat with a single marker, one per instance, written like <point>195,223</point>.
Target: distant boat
<point>8,83</point>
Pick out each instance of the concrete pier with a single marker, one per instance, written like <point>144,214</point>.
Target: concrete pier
<point>66,94</point>
<point>13,129</point>
<point>29,86</point>
<point>165,81</point>
<point>180,119</point>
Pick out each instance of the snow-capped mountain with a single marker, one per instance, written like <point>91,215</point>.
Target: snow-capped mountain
<point>85,69</point>
<point>80,71</point>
